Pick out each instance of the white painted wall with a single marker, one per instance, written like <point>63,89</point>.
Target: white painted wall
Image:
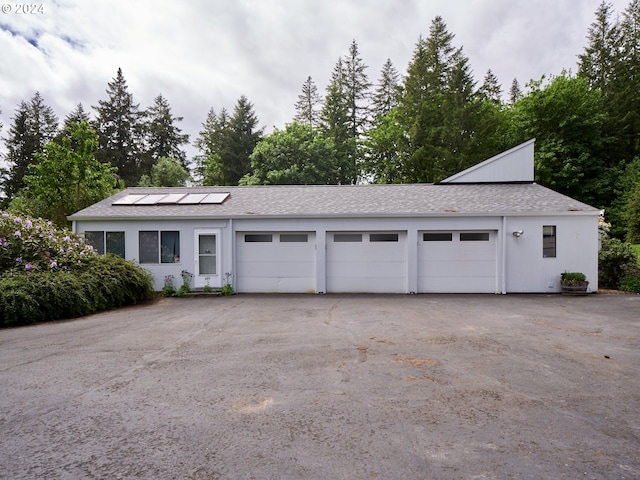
<point>519,263</point>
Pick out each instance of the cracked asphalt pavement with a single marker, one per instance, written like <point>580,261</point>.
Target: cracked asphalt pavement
<point>333,386</point>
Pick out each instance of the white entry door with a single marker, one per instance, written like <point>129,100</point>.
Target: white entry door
<point>207,259</point>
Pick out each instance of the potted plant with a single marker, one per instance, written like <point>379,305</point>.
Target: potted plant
<point>573,283</point>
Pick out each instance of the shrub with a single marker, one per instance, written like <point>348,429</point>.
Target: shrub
<point>631,283</point>
<point>615,259</point>
<point>572,278</point>
<point>51,274</point>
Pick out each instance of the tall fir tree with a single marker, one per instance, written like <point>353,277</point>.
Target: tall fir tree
<point>515,92</point>
<point>34,125</point>
<point>75,117</point>
<point>307,111</point>
<point>335,124</point>
<point>356,90</point>
<point>163,138</point>
<point>120,131</point>
<point>226,144</point>
<point>211,143</point>
<point>387,90</point>
<point>490,88</point>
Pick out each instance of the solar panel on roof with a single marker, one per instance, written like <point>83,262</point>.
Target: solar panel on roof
<point>192,198</point>
<point>128,199</point>
<point>150,199</point>
<point>171,198</point>
<point>215,198</point>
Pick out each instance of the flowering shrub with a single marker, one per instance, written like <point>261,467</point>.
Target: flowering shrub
<point>28,245</point>
<point>49,274</point>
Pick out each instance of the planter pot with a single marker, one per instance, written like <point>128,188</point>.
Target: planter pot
<point>574,288</point>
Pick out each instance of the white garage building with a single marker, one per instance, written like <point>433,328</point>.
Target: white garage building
<point>488,229</point>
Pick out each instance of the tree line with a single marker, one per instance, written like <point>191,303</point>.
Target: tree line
<point>423,126</point>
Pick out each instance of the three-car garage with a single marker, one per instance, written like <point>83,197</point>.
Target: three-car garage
<point>366,261</point>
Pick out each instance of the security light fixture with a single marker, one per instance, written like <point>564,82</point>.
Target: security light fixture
<point>518,233</point>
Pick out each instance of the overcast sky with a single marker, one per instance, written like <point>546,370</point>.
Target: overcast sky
<point>201,54</point>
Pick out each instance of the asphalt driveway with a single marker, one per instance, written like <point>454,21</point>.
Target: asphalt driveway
<point>328,387</point>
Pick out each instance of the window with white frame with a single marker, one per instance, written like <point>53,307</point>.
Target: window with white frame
<point>159,246</point>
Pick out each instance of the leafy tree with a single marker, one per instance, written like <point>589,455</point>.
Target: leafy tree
<point>167,172</point>
<point>120,131</point>
<point>67,177</point>
<point>386,147</point>
<point>387,90</point>
<point>163,137</point>
<point>299,154</point>
<point>633,215</point>
<point>34,125</point>
<point>566,117</point>
<point>306,106</point>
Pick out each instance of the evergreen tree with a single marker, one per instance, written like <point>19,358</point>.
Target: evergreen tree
<point>226,144</point>
<point>625,104</point>
<point>601,56</point>
<point>34,125</point>
<point>75,117</point>
<point>335,124</point>
<point>307,105</point>
<point>387,90</point>
<point>515,93</point>
<point>163,137</point>
<point>211,143</point>
<point>490,89</point>
<point>120,131</point>
<point>356,90</point>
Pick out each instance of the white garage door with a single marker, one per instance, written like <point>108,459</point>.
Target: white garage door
<point>372,262</point>
<point>457,262</point>
<point>278,262</point>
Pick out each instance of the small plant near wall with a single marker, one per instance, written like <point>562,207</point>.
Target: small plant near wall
<point>207,287</point>
<point>573,283</point>
<point>227,289</point>
<point>185,288</point>
<point>168,290</point>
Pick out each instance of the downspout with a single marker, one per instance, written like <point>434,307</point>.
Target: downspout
<point>503,266</point>
<point>73,226</point>
<point>233,256</point>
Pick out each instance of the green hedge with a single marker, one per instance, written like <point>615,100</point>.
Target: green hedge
<point>103,282</point>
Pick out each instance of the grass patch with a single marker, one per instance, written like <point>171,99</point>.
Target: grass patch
<point>637,249</point>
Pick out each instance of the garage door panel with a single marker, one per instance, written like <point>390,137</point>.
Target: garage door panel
<point>366,266</point>
<point>457,266</point>
<point>276,266</point>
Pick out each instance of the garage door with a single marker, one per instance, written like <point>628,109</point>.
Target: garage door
<point>457,262</point>
<point>372,262</point>
<point>281,262</point>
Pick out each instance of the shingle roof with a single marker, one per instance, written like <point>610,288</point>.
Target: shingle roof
<point>422,200</point>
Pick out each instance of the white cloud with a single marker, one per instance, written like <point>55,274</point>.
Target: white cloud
<point>203,54</point>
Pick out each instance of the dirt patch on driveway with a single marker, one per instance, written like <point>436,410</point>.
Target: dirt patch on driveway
<point>335,386</point>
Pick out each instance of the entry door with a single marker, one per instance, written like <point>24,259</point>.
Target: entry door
<point>207,259</point>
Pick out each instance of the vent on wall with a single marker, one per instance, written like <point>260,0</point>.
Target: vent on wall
<point>172,199</point>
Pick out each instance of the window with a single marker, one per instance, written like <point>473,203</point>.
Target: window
<point>294,237</point>
<point>474,236</point>
<point>159,247</point>
<point>347,237</point>
<point>258,238</point>
<point>96,239</point>
<point>383,237</point>
<point>207,264</point>
<point>437,237</point>
<point>114,242</point>
<point>549,241</point>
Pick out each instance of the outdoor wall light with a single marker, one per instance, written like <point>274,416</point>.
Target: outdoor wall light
<point>518,233</point>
